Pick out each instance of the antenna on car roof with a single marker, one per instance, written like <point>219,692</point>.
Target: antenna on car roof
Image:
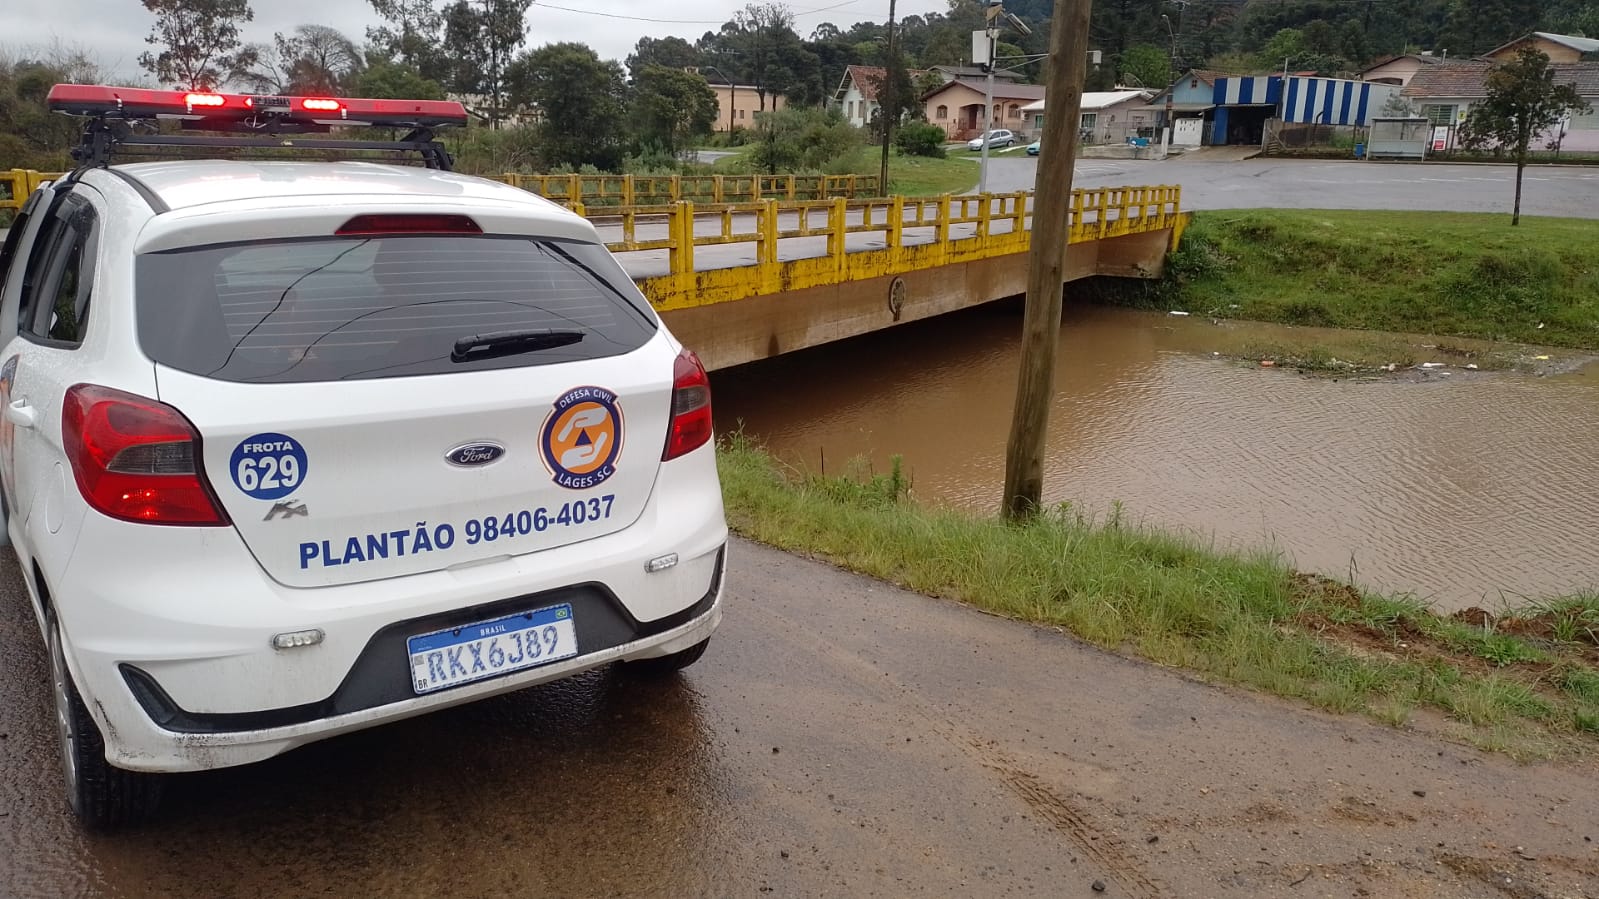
<point>248,120</point>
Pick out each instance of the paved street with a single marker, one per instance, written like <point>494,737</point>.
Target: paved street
<point>1549,190</point>
<point>841,738</point>
<point>1295,184</point>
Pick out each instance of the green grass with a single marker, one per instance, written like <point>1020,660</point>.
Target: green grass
<point>1448,274</point>
<point>910,176</point>
<point>1245,619</point>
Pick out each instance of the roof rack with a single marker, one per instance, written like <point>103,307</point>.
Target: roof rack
<point>117,114</point>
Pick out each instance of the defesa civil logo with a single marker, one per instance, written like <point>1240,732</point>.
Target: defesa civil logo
<point>582,437</point>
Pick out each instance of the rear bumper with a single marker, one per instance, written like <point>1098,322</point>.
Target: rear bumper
<point>168,631</point>
<point>143,746</point>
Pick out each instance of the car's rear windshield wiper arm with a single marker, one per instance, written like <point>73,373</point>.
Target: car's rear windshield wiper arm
<point>509,343</point>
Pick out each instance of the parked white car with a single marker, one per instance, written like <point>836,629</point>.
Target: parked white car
<point>291,449</point>
<point>997,138</point>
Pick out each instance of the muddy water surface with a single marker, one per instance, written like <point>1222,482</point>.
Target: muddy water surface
<point>1465,489</point>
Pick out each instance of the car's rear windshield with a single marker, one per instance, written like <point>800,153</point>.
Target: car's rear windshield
<point>380,307</point>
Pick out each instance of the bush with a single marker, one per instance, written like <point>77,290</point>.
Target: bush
<point>738,137</point>
<point>652,159</point>
<point>921,139</point>
<point>796,139</point>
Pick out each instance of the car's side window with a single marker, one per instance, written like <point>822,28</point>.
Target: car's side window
<point>60,308</point>
<point>8,252</point>
<point>35,268</point>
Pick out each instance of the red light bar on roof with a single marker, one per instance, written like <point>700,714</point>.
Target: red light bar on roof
<point>135,103</point>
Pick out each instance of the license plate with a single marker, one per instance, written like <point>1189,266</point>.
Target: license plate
<point>473,652</point>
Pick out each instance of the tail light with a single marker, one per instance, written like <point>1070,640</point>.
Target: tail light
<point>136,459</point>
<point>691,407</point>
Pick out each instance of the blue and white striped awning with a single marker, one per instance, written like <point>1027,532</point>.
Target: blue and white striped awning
<point>1247,90</point>
<point>1334,101</point>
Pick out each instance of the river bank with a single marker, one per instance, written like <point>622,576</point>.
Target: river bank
<point>1524,682</point>
<point>1447,274</point>
<point>1463,488</point>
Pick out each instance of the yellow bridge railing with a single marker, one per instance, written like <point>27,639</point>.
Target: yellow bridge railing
<point>917,233</point>
<point>942,231</point>
<point>646,190</point>
<point>586,191</point>
<point>17,184</point>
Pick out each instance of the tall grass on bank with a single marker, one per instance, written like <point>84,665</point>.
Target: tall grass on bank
<point>1466,275</point>
<point>1241,618</point>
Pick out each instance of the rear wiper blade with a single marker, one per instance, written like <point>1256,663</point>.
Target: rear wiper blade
<point>510,343</point>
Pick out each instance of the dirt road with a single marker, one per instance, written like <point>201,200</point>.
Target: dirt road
<point>842,738</point>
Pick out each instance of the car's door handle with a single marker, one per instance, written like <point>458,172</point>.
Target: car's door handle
<point>20,414</point>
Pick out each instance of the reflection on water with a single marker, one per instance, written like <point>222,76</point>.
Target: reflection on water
<point>1463,490</point>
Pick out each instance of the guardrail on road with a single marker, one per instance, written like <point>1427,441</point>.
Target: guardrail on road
<point>646,190</point>
<point>590,191</point>
<point>963,229</point>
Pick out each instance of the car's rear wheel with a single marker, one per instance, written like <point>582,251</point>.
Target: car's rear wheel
<point>666,666</point>
<point>102,796</point>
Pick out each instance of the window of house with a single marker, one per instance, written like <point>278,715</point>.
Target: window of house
<point>741,113</point>
<point>943,113</point>
<point>1194,83</point>
<point>1584,121</point>
<point>1038,121</point>
<point>1015,110</point>
<point>852,109</point>
<point>1089,121</point>
<point>997,110</point>
<point>1439,114</point>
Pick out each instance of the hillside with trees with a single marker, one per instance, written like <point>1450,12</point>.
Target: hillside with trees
<point>648,109</point>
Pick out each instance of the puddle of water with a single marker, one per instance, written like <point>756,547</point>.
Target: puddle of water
<point>1465,490</point>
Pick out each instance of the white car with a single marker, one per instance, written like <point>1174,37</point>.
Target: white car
<point>996,138</point>
<point>291,449</point>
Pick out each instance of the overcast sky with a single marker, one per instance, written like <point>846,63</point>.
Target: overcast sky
<point>114,30</point>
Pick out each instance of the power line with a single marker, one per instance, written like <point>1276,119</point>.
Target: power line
<point>615,15</point>
<point>612,15</point>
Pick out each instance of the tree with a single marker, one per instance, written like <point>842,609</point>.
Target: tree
<point>581,101</point>
<point>1477,26</point>
<point>411,36</point>
<point>197,41</point>
<point>388,80</point>
<point>896,95</point>
<point>672,107</point>
<point>313,59</point>
<point>1523,101</point>
<point>793,139</point>
<point>480,43</point>
<point>1148,65</point>
<point>671,52</point>
<point>769,46</point>
<point>31,136</point>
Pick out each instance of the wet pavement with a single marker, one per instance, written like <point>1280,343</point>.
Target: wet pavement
<point>1571,191</point>
<point>841,738</point>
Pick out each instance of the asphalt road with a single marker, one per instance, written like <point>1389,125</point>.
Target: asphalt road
<point>841,738</point>
<point>1549,190</point>
<point>1305,184</point>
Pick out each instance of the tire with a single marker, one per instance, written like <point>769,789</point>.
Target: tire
<point>102,796</point>
<point>666,666</point>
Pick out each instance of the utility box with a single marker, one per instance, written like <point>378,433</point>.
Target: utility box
<point>1398,138</point>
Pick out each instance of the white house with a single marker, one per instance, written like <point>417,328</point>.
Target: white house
<point>857,94</point>
<point>1107,116</point>
<point>1445,93</point>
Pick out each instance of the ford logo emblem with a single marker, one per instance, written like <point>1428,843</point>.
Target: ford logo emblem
<point>471,454</point>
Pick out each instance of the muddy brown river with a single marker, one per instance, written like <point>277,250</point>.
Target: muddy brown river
<point>1466,488</point>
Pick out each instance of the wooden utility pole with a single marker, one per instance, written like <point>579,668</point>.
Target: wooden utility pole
<point>1046,268</point>
<point>885,92</point>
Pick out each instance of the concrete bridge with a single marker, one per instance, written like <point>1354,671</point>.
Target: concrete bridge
<point>742,282</point>
<point>758,271</point>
